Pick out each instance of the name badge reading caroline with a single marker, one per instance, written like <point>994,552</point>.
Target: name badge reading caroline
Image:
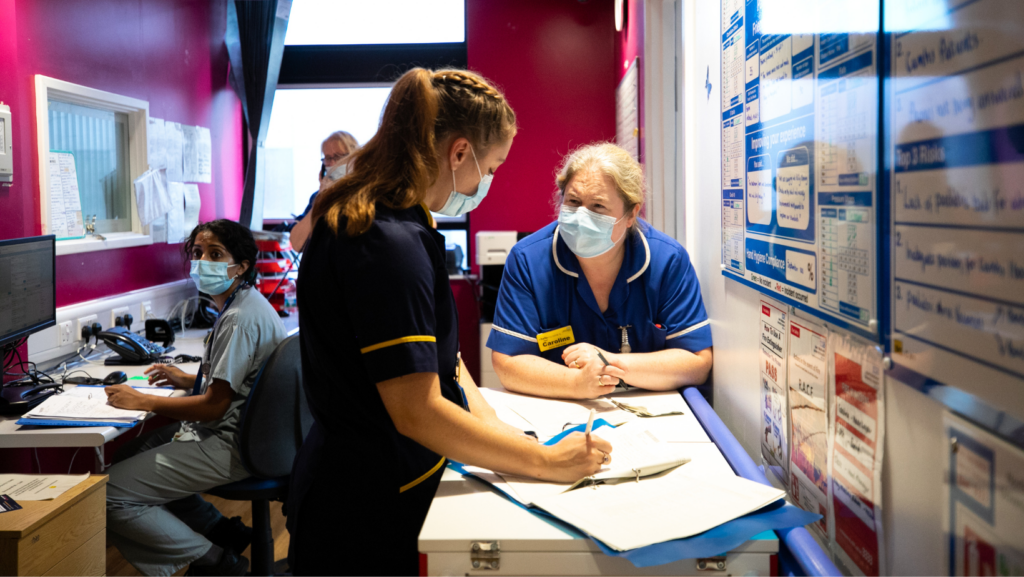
<point>556,338</point>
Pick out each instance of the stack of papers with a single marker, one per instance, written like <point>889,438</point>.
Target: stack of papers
<point>649,493</point>
<point>89,404</point>
<point>549,417</point>
<point>671,506</point>
<point>638,452</point>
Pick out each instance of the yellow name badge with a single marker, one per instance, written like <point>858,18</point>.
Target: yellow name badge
<point>556,338</point>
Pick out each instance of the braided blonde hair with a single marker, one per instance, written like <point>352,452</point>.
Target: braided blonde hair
<point>425,111</point>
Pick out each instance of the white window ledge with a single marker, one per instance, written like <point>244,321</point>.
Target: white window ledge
<point>113,240</point>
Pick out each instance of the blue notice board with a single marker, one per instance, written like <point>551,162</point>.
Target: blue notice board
<point>800,218</point>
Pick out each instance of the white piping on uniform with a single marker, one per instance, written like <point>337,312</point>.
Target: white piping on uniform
<point>513,333</point>
<point>647,247</point>
<point>554,255</point>
<point>689,330</point>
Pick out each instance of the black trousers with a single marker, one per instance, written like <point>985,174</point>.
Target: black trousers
<point>345,521</point>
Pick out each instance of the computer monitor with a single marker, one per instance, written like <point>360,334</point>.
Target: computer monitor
<point>28,293</point>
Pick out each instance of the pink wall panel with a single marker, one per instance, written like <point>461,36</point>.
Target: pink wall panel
<point>555,61</point>
<point>168,52</point>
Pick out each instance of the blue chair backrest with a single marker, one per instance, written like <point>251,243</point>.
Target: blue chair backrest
<point>275,418</point>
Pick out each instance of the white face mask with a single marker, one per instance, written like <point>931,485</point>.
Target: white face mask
<point>459,204</point>
<point>336,172</point>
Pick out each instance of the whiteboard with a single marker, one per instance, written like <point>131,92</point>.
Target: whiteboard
<point>955,100</point>
<point>627,111</point>
<point>799,158</point>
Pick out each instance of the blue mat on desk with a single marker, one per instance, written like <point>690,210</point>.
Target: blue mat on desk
<point>716,541</point>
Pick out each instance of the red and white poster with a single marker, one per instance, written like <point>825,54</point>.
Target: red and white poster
<point>855,467</point>
<point>808,419</point>
<point>774,337</point>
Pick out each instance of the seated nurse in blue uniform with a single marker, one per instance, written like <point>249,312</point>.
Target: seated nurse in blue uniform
<point>599,297</point>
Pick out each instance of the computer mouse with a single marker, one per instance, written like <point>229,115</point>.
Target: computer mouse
<point>115,378</point>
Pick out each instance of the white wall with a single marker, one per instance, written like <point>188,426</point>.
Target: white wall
<point>912,477</point>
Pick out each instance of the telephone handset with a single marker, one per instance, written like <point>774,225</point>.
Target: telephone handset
<point>132,348</point>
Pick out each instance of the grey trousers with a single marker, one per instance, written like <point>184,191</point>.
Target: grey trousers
<point>155,516</point>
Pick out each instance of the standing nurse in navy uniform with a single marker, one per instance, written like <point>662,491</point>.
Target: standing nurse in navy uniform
<point>599,296</point>
<point>380,337</point>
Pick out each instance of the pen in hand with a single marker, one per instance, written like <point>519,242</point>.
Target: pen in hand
<point>590,422</point>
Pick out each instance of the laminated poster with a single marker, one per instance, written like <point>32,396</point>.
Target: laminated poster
<point>984,508</point>
<point>808,418</point>
<point>855,467</point>
<point>774,328</point>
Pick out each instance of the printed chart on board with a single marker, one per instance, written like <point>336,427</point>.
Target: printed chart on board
<point>957,109</point>
<point>799,154</point>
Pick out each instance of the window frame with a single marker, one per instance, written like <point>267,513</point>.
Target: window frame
<point>138,162</point>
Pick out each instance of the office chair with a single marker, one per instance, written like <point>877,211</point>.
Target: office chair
<point>274,422</point>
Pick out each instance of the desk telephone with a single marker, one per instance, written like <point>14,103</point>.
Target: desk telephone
<point>134,349</point>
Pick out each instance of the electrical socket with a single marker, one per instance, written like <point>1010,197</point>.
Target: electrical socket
<point>118,312</point>
<point>64,336</point>
<point>83,322</point>
<point>146,310</point>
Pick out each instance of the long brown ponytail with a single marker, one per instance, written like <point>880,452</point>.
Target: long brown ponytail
<point>401,161</point>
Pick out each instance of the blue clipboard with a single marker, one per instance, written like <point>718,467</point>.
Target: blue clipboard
<point>67,423</point>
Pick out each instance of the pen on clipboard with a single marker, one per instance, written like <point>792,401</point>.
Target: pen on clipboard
<point>590,422</point>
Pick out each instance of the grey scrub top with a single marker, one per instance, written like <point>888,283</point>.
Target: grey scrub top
<point>244,336</point>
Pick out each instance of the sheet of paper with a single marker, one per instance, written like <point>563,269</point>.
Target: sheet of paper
<point>773,331</point>
<point>65,201</point>
<point>192,205</point>
<point>205,152</point>
<point>151,196</point>
<point>38,487</point>
<point>176,216</point>
<point>97,392</point>
<point>630,515</point>
<point>83,408</point>
<point>155,143</point>
<point>158,230</point>
<point>190,153</point>
<point>175,151</point>
<point>547,417</point>
<point>808,418</point>
<point>634,446</point>
<point>856,453</point>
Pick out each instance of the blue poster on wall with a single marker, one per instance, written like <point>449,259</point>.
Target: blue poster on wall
<point>799,206</point>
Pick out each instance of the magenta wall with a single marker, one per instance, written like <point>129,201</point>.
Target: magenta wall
<point>168,52</point>
<point>555,61</point>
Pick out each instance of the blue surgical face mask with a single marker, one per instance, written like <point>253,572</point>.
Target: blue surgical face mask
<point>212,277</point>
<point>459,204</point>
<point>586,233</point>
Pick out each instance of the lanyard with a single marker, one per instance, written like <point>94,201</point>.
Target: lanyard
<point>197,387</point>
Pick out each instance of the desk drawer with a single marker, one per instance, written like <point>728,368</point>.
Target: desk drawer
<point>64,535</point>
<point>89,559</point>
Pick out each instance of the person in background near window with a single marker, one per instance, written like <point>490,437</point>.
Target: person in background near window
<point>599,297</point>
<point>338,146</point>
<point>155,515</point>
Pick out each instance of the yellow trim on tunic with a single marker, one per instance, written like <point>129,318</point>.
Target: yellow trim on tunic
<point>398,341</point>
<point>430,217</point>
<point>422,477</point>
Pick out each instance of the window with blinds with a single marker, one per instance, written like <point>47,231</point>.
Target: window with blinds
<point>99,140</point>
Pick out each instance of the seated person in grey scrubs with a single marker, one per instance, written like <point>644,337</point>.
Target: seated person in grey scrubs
<point>155,515</point>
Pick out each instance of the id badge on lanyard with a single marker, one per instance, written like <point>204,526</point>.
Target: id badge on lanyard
<point>204,369</point>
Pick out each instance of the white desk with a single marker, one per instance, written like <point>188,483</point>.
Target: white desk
<point>467,511</point>
<point>17,436</point>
